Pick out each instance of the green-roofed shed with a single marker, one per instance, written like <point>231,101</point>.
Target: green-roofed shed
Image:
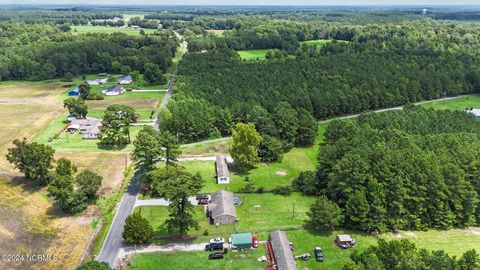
<point>241,240</point>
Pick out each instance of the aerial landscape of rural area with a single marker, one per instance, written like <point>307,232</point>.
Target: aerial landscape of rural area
<point>240,135</point>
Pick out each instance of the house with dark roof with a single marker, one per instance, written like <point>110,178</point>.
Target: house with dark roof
<point>114,90</point>
<point>281,255</point>
<point>221,209</point>
<point>74,92</point>
<point>125,80</point>
<point>222,170</point>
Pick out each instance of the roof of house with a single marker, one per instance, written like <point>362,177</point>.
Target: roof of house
<point>114,88</point>
<point>76,89</point>
<point>126,78</point>
<point>282,251</point>
<point>222,204</point>
<point>241,239</point>
<point>222,168</point>
<point>344,238</point>
<point>88,124</point>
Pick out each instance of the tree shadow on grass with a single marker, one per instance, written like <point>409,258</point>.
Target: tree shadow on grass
<point>26,185</point>
<point>111,147</point>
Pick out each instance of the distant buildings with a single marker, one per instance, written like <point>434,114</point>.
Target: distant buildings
<point>475,112</point>
<point>74,92</point>
<point>115,90</point>
<point>424,11</point>
<point>98,81</point>
<point>125,80</point>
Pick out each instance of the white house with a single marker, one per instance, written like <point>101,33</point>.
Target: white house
<point>115,90</point>
<point>125,80</point>
<point>93,82</point>
<point>222,170</point>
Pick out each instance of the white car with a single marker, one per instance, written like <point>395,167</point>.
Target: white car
<point>217,240</point>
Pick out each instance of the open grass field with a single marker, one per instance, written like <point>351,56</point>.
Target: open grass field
<point>218,33</point>
<point>83,29</point>
<point>207,149</point>
<point>320,42</point>
<point>462,103</point>
<point>253,54</point>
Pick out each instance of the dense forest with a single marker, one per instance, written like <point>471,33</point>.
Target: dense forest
<point>411,169</point>
<point>379,66</point>
<point>45,51</point>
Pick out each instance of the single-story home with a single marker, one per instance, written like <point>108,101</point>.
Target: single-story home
<point>93,82</point>
<point>125,80</point>
<point>221,209</point>
<point>104,74</point>
<point>475,112</point>
<point>113,90</point>
<point>222,170</point>
<point>280,251</point>
<point>89,127</point>
<point>241,240</point>
<point>74,92</point>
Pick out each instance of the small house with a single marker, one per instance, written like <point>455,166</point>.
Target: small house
<point>71,117</point>
<point>241,240</point>
<point>280,251</point>
<point>221,209</point>
<point>102,81</point>
<point>222,170</point>
<point>93,82</point>
<point>125,80</point>
<point>89,127</point>
<point>103,74</point>
<point>115,90</point>
<point>74,92</point>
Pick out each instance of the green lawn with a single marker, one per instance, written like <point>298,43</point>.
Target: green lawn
<point>258,213</point>
<point>74,142</point>
<point>265,175</point>
<point>461,103</point>
<point>454,242</point>
<point>320,42</point>
<point>199,260</point>
<point>83,29</point>
<point>253,54</point>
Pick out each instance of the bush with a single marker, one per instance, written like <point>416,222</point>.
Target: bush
<point>260,190</point>
<point>137,230</point>
<point>205,233</point>
<point>283,190</point>
<point>95,96</point>
<point>248,188</point>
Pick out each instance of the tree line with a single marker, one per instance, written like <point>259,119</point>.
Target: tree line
<point>412,169</point>
<point>51,53</point>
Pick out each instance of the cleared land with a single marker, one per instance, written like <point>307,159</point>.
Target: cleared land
<point>253,54</point>
<point>462,103</point>
<point>83,29</point>
<point>218,33</point>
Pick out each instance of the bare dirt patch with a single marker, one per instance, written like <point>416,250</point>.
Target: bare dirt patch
<point>132,102</point>
<point>281,173</point>
<point>110,166</point>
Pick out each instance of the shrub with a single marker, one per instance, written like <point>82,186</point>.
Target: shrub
<point>283,190</point>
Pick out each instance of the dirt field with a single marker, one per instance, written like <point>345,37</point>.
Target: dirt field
<point>149,103</point>
<point>25,109</point>
<point>109,165</point>
<point>30,223</point>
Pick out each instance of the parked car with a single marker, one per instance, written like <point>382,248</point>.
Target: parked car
<point>203,201</point>
<point>318,254</point>
<point>217,240</point>
<point>254,242</point>
<point>213,246</point>
<point>215,255</point>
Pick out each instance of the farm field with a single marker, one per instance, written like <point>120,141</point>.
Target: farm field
<point>462,103</point>
<point>253,54</point>
<point>83,29</point>
<point>218,33</point>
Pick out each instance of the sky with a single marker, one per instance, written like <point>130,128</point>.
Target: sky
<point>245,2</point>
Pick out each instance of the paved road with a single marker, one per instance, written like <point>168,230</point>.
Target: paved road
<point>113,242</point>
<point>171,83</point>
